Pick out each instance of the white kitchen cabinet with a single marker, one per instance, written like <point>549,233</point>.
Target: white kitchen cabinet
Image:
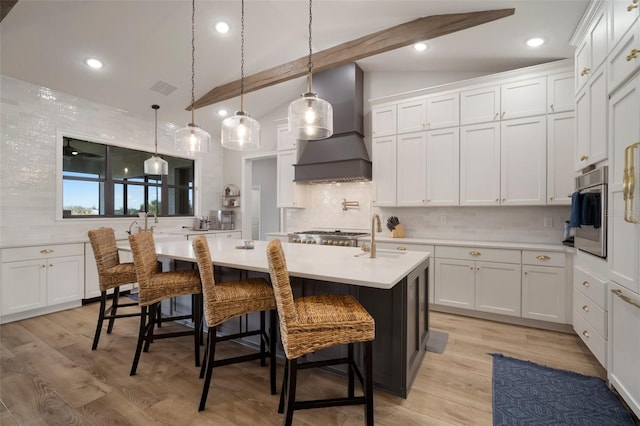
<point>544,286</point>
<point>622,15</point>
<point>443,167</point>
<point>523,98</point>
<point>480,105</point>
<point>624,60</point>
<point>624,345</point>
<point>412,116</point>
<point>289,193</point>
<point>384,171</point>
<point>523,161</point>
<point>561,92</point>
<point>591,50</point>
<point>41,279</point>
<point>383,120</point>
<point>411,185</point>
<point>463,281</point>
<point>591,121</point>
<point>561,138</point>
<point>480,165</point>
<point>230,234</point>
<point>402,246</point>
<point>443,111</point>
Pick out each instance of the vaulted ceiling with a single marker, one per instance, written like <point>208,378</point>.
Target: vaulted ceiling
<point>145,42</point>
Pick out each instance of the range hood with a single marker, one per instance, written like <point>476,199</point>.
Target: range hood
<point>343,157</point>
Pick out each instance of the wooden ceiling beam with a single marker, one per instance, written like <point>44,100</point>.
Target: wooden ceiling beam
<point>402,35</point>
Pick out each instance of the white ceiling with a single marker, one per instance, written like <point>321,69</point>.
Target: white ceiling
<point>142,41</point>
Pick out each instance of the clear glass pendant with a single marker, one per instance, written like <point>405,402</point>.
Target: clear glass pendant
<point>156,166</point>
<point>192,139</point>
<point>240,132</point>
<point>310,118</point>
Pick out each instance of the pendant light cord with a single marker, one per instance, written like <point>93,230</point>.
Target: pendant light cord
<point>242,58</point>
<point>156,107</point>
<point>310,64</point>
<point>193,57</point>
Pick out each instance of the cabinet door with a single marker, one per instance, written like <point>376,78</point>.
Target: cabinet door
<point>23,286</point>
<point>288,192</point>
<point>592,51</point>
<point>561,130</point>
<point>443,167</point>
<point>624,345</point>
<point>498,288</point>
<point>412,116</point>
<point>480,105</point>
<point>622,15</point>
<point>523,151</point>
<point>524,98</point>
<point>285,138</point>
<point>560,92</point>
<point>591,121</point>
<point>384,171</point>
<point>544,291</point>
<point>412,173</point>
<point>480,165</point>
<point>624,60</point>
<point>383,121</point>
<point>443,111</point>
<point>455,284</point>
<point>417,320</point>
<point>65,279</point>
<point>583,63</point>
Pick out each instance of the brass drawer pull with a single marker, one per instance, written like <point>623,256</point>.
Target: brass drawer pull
<point>401,248</point>
<point>542,257</point>
<point>631,7</point>
<point>585,71</point>
<point>586,284</point>
<point>585,334</point>
<point>475,253</point>
<point>584,157</point>
<point>633,54</point>
<point>46,251</point>
<point>585,308</point>
<point>625,298</point>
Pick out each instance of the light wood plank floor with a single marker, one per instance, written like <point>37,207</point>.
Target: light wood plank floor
<point>49,375</point>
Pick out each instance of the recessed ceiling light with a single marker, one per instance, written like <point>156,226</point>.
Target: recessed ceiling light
<point>535,42</point>
<point>94,63</point>
<point>222,112</point>
<point>222,27</point>
<point>420,47</point>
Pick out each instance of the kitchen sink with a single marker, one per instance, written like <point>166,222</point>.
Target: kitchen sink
<point>391,254</point>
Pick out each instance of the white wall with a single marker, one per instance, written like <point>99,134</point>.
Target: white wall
<point>31,117</point>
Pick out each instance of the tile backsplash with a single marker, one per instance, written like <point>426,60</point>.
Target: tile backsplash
<point>535,224</point>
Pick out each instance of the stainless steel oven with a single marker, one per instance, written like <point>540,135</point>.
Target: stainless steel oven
<point>591,236</point>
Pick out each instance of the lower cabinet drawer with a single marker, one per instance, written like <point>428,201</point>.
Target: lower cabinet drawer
<point>590,312</point>
<point>596,343</point>
<point>482,254</point>
<point>543,258</point>
<point>590,285</point>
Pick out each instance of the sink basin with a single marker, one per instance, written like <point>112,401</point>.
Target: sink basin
<point>391,254</point>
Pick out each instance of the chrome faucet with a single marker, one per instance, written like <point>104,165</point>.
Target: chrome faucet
<point>135,222</point>
<point>374,218</point>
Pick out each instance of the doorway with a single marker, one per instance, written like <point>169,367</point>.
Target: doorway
<point>259,181</point>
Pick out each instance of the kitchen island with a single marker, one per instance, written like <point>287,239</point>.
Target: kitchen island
<point>392,287</point>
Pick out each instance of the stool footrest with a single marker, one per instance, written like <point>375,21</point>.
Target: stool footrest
<point>331,402</point>
<point>242,358</point>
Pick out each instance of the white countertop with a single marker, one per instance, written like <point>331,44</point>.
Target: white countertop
<point>348,265</point>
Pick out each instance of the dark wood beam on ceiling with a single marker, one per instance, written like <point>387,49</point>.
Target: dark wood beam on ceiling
<point>402,35</point>
<point>5,7</point>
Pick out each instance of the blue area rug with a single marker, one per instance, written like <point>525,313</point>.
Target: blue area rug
<point>525,393</point>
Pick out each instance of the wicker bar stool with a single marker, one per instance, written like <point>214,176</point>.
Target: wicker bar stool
<point>312,323</point>
<point>227,300</point>
<point>156,286</point>
<point>111,275</point>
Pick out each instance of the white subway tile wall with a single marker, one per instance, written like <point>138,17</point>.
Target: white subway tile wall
<point>30,117</point>
<point>512,224</point>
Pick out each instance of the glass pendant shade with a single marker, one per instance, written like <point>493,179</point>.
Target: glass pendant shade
<point>192,139</point>
<point>156,166</point>
<point>240,132</point>
<point>310,118</point>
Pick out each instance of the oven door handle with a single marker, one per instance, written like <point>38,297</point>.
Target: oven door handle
<point>591,191</point>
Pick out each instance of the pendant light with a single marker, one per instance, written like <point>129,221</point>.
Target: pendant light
<point>156,165</point>
<point>192,138</point>
<point>310,117</point>
<point>241,132</point>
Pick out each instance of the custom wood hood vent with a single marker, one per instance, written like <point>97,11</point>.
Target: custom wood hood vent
<point>342,157</point>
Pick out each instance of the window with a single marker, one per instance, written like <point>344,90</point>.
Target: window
<point>108,181</point>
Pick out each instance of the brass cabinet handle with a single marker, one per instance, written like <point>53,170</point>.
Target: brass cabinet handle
<point>50,265</point>
<point>478,268</point>
<point>526,272</point>
<point>503,113</point>
<point>550,198</point>
<point>43,266</point>
<point>551,106</point>
<point>504,199</point>
<point>584,157</point>
<point>629,182</point>
<point>625,298</point>
<point>401,248</point>
<point>475,253</point>
<point>585,308</point>
<point>586,284</point>
<point>497,200</point>
<point>585,333</point>
<point>631,7</point>
<point>497,115</point>
<point>633,54</point>
<point>542,257</point>
<point>585,71</point>
<point>46,251</point>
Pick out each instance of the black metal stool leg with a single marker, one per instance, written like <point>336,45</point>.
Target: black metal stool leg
<point>114,308</point>
<point>291,392</point>
<point>103,306</point>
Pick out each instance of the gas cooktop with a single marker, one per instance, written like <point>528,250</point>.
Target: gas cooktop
<point>333,233</point>
<point>335,238</point>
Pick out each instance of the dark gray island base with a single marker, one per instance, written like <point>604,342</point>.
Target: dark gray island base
<point>402,325</point>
